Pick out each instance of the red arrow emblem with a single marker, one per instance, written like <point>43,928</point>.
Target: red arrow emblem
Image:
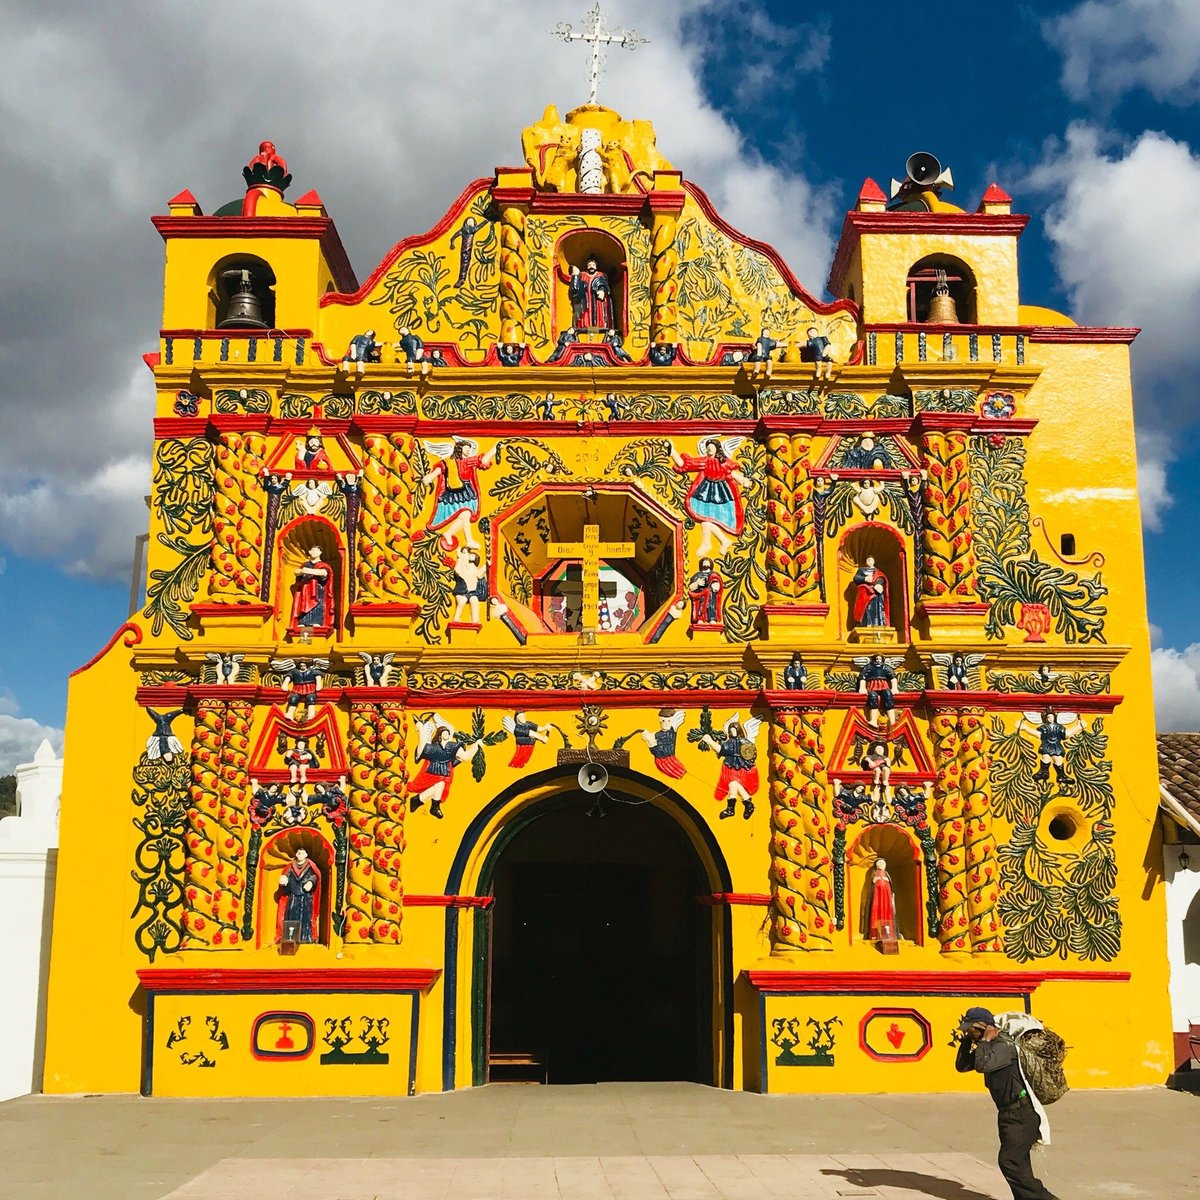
<point>895,1035</point>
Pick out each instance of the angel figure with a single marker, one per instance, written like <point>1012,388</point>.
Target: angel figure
<point>1052,730</point>
<point>738,755</point>
<point>226,667</point>
<point>526,734</point>
<point>714,501</point>
<point>960,671</point>
<point>455,477</point>
<point>376,668</point>
<point>439,751</point>
<point>661,742</point>
<point>587,681</point>
<point>869,497</point>
<point>877,681</point>
<point>310,495</point>
<point>303,678</point>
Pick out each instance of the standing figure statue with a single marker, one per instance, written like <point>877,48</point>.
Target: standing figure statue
<point>821,352</point>
<point>739,774</point>
<point>303,677</point>
<point>300,896</point>
<point>877,681</point>
<point>312,594</point>
<point>705,591</point>
<point>714,500</point>
<point>881,905</point>
<point>871,607</point>
<point>591,297</point>
<point>466,234</point>
<point>455,476</point>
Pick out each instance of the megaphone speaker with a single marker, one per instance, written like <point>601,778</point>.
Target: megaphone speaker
<point>592,777</point>
<point>922,167</point>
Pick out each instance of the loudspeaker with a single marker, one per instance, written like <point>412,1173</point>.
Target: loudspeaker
<point>923,167</point>
<point>592,777</point>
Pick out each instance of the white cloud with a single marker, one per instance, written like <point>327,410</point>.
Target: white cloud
<point>21,736</point>
<point>1121,221</point>
<point>1111,47</point>
<point>1176,688</point>
<point>387,117</point>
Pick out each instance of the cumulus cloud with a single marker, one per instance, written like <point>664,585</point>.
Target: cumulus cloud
<point>1120,219</point>
<point>387,117</point>
<point>1111,47</point>
<point>21,736</point>
<point>1176,688</point>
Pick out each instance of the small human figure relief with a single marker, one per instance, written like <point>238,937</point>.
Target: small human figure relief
<point>299,897</point>
<point>312,595</point>
<point>226,668</point>
<point>587,681</point>
<point>363,349</point>
<point>264,801</point>
<point>960,672</point>
<point>439,751</point>
<point>416,357</point>
<point>661,742</point>
<point>333,800</point>
<point>881,910</point>
<point>470,582</point>
<point>510,354</point>
<point>866,456</point>
<point>1052,729</point>
<point>302,677</point>
<point>616,343</point>
<point>162,745</point>
<point>706,592</point>
<point>376,668</point>
<point>465,234</point>
<point>878,760</point>
<point>795,674</point>
<point>714,500</point>
<point>662,354</point>
<point>299,760</point>
<point>738,754</point>
<point>878,682</point>
<point>760,355</point>
<point>455,478</point>
<point>820,350</point>
<point>868,497</point>
<point>310,495</point>
<point>591,297</point>
<point>526,734</point>
<point>310,453</point>
<point>871,607</point>
<point>546,405</point>
<point>565,339</point>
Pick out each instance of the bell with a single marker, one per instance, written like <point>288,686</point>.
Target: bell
<point>942,309</point>
<point>243,309</point>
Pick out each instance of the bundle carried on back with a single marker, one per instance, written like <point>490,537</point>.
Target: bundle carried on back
<point>1041,1052</point>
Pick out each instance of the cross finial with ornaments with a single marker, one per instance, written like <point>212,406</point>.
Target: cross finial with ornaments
<point>597,33</point>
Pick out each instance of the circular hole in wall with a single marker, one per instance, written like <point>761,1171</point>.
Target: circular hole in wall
<point>1063,827</point>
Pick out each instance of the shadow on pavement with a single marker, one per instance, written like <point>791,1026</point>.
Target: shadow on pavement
<point>914,1181</point>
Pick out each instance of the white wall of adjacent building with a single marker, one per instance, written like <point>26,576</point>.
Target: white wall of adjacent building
<point>28,859</point>
<point>1183,935</point>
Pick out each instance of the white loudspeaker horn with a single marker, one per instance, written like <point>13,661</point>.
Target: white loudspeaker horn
<point>592,777</point>
<point>923,168</point>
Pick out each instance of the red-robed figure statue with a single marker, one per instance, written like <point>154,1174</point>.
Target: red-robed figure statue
<point>312,593</point>
<point>881,905</point>
<point>871,607</point>
<point>591,297</point>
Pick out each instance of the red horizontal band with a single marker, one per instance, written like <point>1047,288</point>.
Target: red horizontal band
<point>934,983</point>
<point>759,899</point>
<point>162,980</point>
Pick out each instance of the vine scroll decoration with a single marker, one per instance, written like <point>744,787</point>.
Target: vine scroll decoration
<point>160,796</point>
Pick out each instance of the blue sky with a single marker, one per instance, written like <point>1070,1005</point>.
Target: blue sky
<point>1086,112</point>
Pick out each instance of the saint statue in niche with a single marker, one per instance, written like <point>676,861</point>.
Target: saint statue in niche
<point>299,896</point>
<point>705,591</point>
<point>881,905</point>
<point>455,477</point>
<point>311,593</point>
<point>591,297</point>
<point>871,607</point>
<point>714,500</point>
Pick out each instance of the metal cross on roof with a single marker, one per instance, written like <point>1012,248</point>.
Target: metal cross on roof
<point>596,32</point>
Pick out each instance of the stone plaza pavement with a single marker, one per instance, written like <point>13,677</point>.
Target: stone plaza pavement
<point>632,1141</point>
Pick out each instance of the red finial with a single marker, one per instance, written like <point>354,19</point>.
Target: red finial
<point>267,169</point>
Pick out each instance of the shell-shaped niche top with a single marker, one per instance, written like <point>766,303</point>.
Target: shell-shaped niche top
<point>592,150</point>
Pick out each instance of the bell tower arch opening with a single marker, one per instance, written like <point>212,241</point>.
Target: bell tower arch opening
<point>601,962</point>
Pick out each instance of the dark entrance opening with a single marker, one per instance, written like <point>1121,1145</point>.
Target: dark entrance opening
<point>601,963</point>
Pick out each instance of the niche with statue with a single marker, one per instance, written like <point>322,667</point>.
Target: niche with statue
<point>885,901</point>
<point>872,566</point>
<point>295,889</point>
<point>309,578</point>
<point>592,292</point>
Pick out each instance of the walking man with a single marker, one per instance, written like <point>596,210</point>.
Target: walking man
<point>982,1049</point>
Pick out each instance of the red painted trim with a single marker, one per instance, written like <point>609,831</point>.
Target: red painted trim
<point>163,980</point>
<point>871,191</point>
<point>764,248</point>
<point>858,223</point>
<point>670,202</point>
<point>1035,333</point>
<point>400,609</point>
<point>209,608</point>
<point>911,1013</point>
<point>354,295</point>
<point>237,228</point>
<point>132,636</point>
<point>152,359</point>
<point>995,194</point>
<point>161,695</point>
<point>411,901</point>
<point>1020,701</point>
<point>808,610</point>
<point>815,698</point>
<point>180,427</point>
<point>386,425</point>
<point>184,197</point>
<point>588,203</point>
<point>243,422</point>
<point>534,700</point>
<point>237,335</point>
<point>1083,333</point>
<point>757,899</point>
<point>932,983</point>
<point>950,607</point>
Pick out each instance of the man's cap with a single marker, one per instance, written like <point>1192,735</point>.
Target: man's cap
<point>976,1016</point>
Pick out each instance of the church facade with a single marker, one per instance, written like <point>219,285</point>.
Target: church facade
<point>577,652</point>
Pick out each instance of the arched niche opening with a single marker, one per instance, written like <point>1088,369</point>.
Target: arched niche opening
<point>309,577</point>
<point>879,549</point>
<point>276,900</point>
<point>572,311</point>
<point>922,282</point>
<point>903,858</point>
<point>241,293</point>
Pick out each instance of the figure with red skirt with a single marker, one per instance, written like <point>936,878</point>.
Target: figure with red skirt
<point>455,478</point>
<point>871,607</point>
<point>881,905</point>
<point>300,897</point>
<point>705,591</point>
<point>879,683</point>
<point>714,500</point>
<point>739,774</point>
<point>591,297</point>
<point>438,752</point>
<point>310,453</point>
<point>312,594</point>
<point>526,734</point>
<point>661,742</point>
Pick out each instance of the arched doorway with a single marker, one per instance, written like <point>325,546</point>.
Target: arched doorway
<point>601,960</point>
